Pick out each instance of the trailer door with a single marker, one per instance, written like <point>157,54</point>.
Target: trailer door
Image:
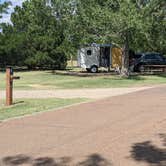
<point>105,54</point>
<point>116,57</point>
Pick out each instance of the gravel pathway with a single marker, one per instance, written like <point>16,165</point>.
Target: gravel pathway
<point>74,93</point>
<point>126,130</point>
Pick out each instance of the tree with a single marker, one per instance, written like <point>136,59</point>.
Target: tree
<point>112,21</point>
<point>64,12</point>
<point>3,9</point>
<point>156,16</point>
<point>40,34</point>
<point>128,26</point>
<point>11,49</point>
<point>46,32</point>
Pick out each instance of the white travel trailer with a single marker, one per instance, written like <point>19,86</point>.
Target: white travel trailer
<point>99,55</point>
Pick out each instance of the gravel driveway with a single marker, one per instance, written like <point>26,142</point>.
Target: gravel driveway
<point>126,130</point>
<point>74,93</point>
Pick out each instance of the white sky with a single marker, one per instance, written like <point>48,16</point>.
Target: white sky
<point>6,17</point>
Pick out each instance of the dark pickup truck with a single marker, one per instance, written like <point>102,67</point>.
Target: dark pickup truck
<point>148,60</point>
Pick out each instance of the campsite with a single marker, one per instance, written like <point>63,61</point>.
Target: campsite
<point>82,83</point>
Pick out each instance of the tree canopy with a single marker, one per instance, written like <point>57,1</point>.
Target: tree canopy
<point>34,38</point>
<point>44,33</point>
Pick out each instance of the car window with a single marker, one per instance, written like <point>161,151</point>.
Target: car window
<point>159,57</point>
<point>150,56</point>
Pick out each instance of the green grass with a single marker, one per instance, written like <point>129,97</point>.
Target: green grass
<point>46,80</point>
<point>29,106</point>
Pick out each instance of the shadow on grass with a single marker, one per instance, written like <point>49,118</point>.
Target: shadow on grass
<point>136,78</point>
<point>92,160</point>
<point>18,102</point>
<point>149,153</point>
<point>131,77</point>
<point>162,75</point>
<point>140,76</point>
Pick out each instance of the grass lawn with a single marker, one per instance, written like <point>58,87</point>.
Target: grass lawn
<point>29,106</point>
<point>40,80</point>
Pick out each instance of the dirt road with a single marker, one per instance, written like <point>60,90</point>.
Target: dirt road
<point>127,130</point>
<point>74,93</point>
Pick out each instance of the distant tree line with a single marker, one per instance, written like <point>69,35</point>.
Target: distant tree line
<point>45,33</point>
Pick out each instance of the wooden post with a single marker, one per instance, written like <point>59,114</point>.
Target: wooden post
<point>9,86</point>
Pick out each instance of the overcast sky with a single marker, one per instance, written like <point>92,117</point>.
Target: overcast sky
<point>6,17</point>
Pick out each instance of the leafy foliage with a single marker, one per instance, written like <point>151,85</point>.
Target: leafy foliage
<point>35,37</point>
<point>44,33</point>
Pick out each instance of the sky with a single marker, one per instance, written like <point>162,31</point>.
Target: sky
<point>6,17</point>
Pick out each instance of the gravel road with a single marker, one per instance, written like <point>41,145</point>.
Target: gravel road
<point>74,93</point>
<point>126,130</point>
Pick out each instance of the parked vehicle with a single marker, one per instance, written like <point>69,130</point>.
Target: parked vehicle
<point>93,56</point>
<point>142,60</point>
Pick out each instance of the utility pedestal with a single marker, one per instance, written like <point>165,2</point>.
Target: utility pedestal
<point>9,86</point>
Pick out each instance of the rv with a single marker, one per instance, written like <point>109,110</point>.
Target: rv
<point>92,57</point>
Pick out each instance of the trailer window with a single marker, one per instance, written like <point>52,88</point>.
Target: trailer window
<point>89,52</point>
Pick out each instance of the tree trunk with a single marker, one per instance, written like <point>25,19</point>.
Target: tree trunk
<point>125,58</point>
<point>71,60</point>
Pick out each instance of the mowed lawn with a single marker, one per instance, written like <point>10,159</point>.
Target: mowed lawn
<point>45,80</point>
<point>28,106</point>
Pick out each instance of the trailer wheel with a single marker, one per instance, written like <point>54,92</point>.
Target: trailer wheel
<point>94,69</point>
